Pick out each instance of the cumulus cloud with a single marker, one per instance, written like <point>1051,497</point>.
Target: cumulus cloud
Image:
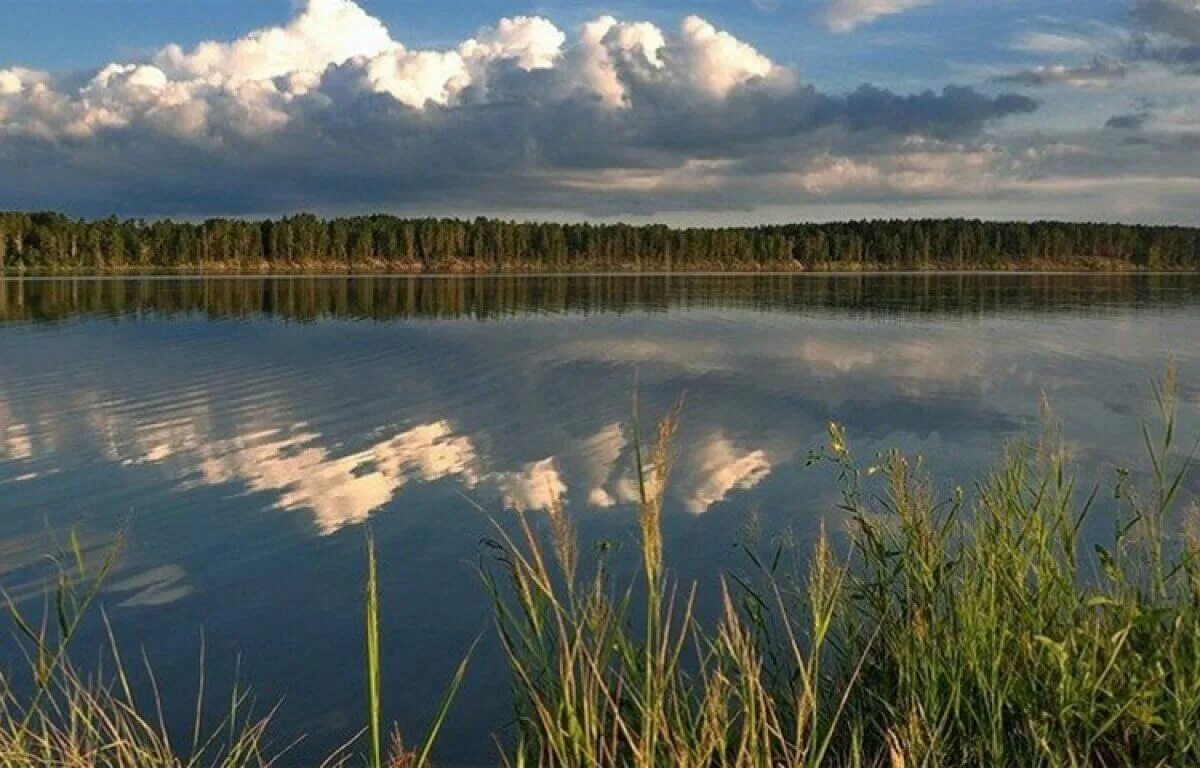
<point>608,47</point>
<point>338,490</point>
<point>600,454</point>
<point>718,468</point>
<point>324,32</point>
<point>919,169</point>
<point>846,15</point>
<point>537,487</point>
<point>328,110</point>
<point>333,53</point>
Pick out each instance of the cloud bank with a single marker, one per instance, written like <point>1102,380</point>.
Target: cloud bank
<point>330,111</point>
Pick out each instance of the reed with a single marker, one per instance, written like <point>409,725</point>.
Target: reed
<point>597,682</point>
<point>62,718</point>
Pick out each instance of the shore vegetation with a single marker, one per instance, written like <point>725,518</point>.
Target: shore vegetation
<point>52,242</point>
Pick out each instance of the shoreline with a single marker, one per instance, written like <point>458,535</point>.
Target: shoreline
<point>507,274</point>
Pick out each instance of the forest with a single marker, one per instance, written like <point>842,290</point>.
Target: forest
<point>54,242</point>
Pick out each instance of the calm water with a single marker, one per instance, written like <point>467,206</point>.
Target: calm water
<point>246,429</point>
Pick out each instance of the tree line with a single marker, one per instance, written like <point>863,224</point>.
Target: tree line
<point>52,241</point>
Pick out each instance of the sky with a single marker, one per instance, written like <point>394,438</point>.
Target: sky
<point>696,112</point>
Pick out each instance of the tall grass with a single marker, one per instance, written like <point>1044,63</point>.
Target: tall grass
<point>932,629</point>
<point>597,682</point>
<point>1001,639</point>
<point>399,755</point>
<point>62,718</point>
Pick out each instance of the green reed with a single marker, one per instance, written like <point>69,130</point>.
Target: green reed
<point>998,640</point>
<point>591,688</point>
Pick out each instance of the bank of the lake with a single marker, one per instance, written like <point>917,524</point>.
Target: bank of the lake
<point>380,243</point>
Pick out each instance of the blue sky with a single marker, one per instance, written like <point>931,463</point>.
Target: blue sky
<point>681,110</point>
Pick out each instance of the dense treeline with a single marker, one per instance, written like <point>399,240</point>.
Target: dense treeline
<point>371,297</point>
<point>50,241</point>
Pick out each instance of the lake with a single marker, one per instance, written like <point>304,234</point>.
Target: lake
<point>244,431</point>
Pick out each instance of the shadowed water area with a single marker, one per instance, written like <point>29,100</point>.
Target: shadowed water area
<point>244,430</point>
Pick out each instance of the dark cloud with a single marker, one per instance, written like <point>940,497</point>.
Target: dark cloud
<point>1174,34</point>
<point>1127,122</point>
<point>534,144</point>
<point>1177,18</point>
<point>1182,58</point>
<point>954,111</point>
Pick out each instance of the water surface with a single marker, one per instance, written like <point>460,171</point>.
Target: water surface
<point>245,430</point>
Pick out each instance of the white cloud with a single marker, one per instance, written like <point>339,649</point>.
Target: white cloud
<point>415,78</point>
<point>846,15</point>
<point>1052,43</point>
<point>10,83</point>
<point>717,469</point>
<point>1100,72</point>
<point>17,79</point>
<point>272,77</point>
<point>921,167</point>
<point>716,62</point>
<point>607,47</point>
<point>325,32</point>
<point>328,110</point>
<point>836,174</point>
<point>600,454</point>
<point>532,41</point>
<point>538,486</point>
<point>339,490</point>
<point>161,585</point>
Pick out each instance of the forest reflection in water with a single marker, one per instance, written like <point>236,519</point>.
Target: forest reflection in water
<point>396,297</point>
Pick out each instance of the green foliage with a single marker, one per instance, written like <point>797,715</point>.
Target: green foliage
<point>62,718</point>
<point>996,642</point>
<point>51,241</point>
